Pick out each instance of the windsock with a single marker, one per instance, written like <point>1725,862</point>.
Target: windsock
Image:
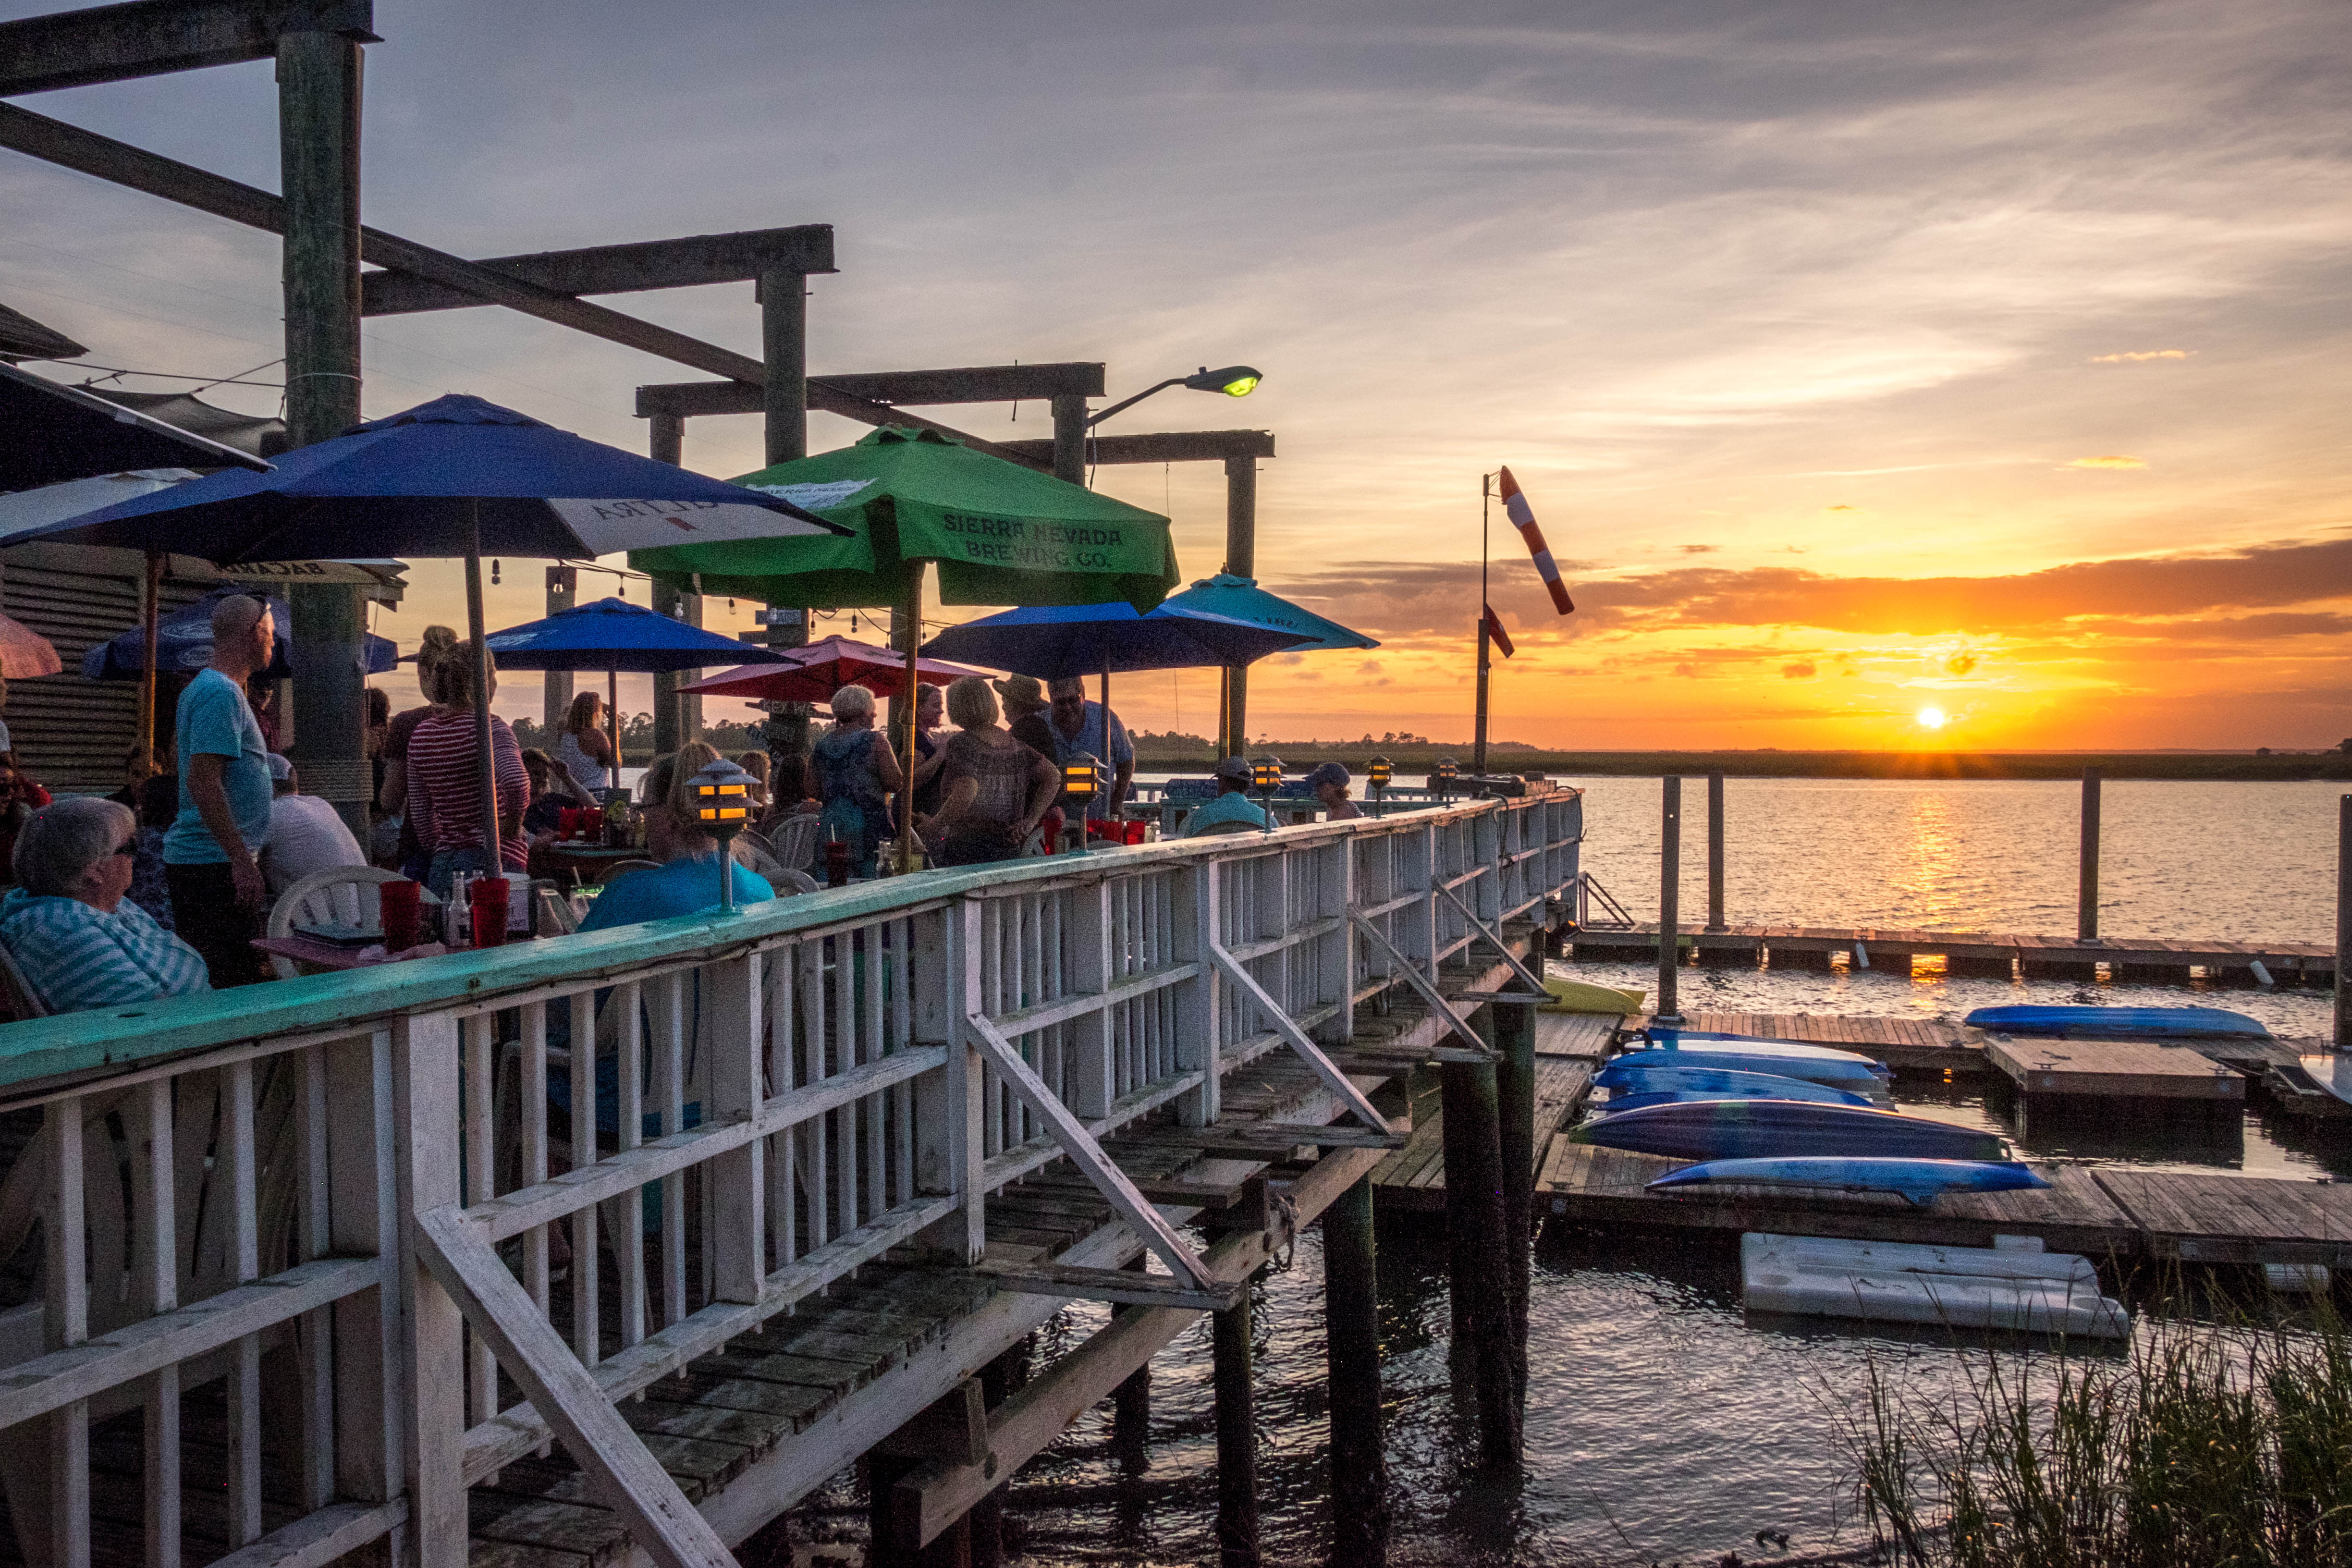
<point>1523,516</point>
<point>1497,635</point>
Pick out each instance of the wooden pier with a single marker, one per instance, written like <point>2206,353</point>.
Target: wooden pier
<point>2114,1069</point>
<point>2149,959</point>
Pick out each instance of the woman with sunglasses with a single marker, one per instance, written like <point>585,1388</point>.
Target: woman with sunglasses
<point>79,940</point>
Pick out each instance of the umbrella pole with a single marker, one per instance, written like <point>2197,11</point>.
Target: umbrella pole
<point>907,703</point>
<point>152,610</point>
<point>489,775</point>
<point>613,715</point>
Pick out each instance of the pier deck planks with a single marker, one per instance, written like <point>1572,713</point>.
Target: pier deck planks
<point>2136,1069</point>
<point>2311,962</point>
<point>2199,1219</point>
<point>1413,1177</point>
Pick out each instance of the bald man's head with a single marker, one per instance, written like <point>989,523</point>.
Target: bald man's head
<point>243,636</point>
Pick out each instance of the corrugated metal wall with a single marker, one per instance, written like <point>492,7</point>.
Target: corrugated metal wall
<point>71,733</point>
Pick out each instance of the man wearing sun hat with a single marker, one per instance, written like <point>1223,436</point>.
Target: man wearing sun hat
<point>1024,712</point>
<point>1233,804</point>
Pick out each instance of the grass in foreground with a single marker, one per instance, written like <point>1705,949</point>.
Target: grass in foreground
<point>2203,1446</point>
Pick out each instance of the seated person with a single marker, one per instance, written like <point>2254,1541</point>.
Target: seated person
<point>79,940</point>
<point>686,881</point>
<point>554,789</point>
<point>1233,804</point>
<point>1330,784</point>
<point>305,833</point>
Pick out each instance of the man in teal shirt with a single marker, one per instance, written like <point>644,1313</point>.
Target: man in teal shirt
<point>211,855</point>
<point>1232,809</point>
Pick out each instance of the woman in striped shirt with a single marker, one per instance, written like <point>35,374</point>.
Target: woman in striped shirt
<point>442,761</point>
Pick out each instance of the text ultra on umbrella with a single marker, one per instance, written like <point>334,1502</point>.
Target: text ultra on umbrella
<point>456,476</point>
<point>613,635</point>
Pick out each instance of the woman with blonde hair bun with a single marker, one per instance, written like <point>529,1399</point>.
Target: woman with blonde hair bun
<point>400,793</point>
<point>581,745</point>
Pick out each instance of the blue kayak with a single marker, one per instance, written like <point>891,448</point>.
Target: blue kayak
<point>1778,1129</point>
<point>1739,1053</point>
<point>1922,1181</point>
<point>2116,1023</point>
<point>1631,1076</point>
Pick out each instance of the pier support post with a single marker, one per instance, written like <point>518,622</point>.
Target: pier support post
<point>1069,438</point>
<point>1359,1466</point>
<point>2343,922</point>
<point>1477,1244</point>
<point>1240,560</point>
<point>1714,851</point>
<point>1130,1412</point>
<point>1670,894</point>
<point>1513,1035</point>
<point>555,692</point>
<point>2086,898</point>
<point>677,717</point>
<point>1229,1337</point>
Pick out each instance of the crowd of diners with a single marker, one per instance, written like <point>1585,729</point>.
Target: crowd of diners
<point>161,888</point>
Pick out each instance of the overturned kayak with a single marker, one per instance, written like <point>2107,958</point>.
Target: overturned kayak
<point>1965,1287</point>
<point>1921,1181</point>
<point>2116,1023</point>
<point>1775,1128</point>
<point>1739,1053</point>
<point>1628,1077</point>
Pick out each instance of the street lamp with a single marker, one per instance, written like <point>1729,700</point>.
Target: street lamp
<point>1377,775</point>
<point>1447,773</point>
<point>1233,381</point>
<point>722,808</point>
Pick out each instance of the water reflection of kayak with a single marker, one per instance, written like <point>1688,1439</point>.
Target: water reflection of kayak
<point>1779,1129</point>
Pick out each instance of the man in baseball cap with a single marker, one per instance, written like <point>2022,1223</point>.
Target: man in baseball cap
<point>1231,810</point>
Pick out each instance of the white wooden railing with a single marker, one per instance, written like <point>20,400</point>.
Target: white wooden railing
<point>362,1179</point>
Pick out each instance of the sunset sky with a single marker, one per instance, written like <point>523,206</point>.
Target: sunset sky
<point>1859,358</point>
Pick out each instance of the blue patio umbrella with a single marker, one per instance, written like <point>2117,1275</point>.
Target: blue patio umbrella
<point>1055,641</point>
<point>613,635</point>
<point>1241,599</point>
<point>184,642</point>
<point>458,476</point>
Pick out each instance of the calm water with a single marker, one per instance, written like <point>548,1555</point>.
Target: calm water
<point>1663,1422</point>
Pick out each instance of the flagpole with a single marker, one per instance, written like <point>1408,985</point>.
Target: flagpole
<point>1478,748</point>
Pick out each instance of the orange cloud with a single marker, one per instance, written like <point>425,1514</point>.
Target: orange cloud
<point>2108,462</point>
<point>2142,355</point>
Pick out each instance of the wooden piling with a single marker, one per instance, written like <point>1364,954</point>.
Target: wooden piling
<point>1715,852</point>
<point>1670,876</point>
<point>1069,438</point>
<point>556,688</point>
<point>1477,1249</point>
<point>2086,895</point>
<point>1513,1033</point>
<point>1240,560</point>
<point>1237,1542</point>
<point>2343,921</point>
<point>1359,1474</point>
<point>783,361</point>
<point>1130,1412</point>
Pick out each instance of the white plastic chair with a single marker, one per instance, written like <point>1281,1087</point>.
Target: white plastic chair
<point>794,844</point>
<point>344,894</point>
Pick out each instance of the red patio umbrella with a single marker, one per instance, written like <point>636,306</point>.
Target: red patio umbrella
<point>824,668</point>
<point>24,653</point>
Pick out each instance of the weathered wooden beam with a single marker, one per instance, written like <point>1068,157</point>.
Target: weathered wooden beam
<point>1122,1286</point>
<point>154,37</point>
<point>71,147</point>
<point>1166,446</point>
<point>971,384</point>
<point>619,269</point>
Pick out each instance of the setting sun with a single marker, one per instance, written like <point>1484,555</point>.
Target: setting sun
<point>1931,718</point>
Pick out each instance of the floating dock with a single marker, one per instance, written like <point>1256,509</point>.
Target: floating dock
<point>2114,1069</point>
<point>2149,959</point>
<point>2104,1211</point>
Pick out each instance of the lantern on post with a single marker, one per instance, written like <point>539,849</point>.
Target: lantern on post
<point>1377,774</point>
<point>1266,776</point>
<point>721,795</point>
<point>1447,773</point>
<point>1083,783</point>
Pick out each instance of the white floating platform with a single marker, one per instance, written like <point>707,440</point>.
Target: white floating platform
<point>1898,1282</point>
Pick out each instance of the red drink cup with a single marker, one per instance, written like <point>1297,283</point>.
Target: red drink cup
<point>486,901</point>
<point>567,821</point>
<point>404,914</point>
<point>836,863</point>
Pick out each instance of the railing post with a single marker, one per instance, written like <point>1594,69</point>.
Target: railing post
<point>734,996</point>
<point>2343,922</point>
<point>1201,1011</point>
<point>1093,1075</point>
<point>425,1075</point>
<point>1336,962</point>
<point>1714,851</point>
<point>948,1104</point>
<point>1423,944</point>
<point>363,1218</point>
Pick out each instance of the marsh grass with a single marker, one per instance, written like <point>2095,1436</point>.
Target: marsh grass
<point>2205,1447</point>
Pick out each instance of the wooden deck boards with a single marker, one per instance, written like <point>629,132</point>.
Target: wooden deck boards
<point>2309,962</point>
<point>1413,1177</point>
<point>2138,1070</point>
<point>2236,1219</point>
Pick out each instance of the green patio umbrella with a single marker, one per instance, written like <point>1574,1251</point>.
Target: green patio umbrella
<point>1001,533</point>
